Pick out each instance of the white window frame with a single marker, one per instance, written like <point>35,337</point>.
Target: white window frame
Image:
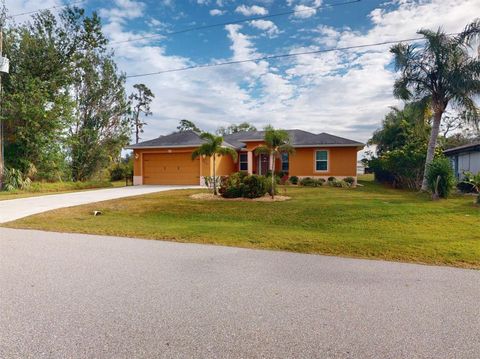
<point>315,160</point>
<point>244,162</point>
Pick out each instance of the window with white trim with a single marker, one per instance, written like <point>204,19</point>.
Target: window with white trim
<point>285,164</point>
<point>243,162</point>
<point>321,160</point>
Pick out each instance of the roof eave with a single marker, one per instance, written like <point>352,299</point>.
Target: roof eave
<point>462,149</point>
<point>359,145</point>
<point>133,147</point>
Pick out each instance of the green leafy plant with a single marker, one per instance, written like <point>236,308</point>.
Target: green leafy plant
<point>213,147</point>
<point>307,182</point>
<point>465,185</point>
<point>341,184</point>
<point>276,143</point>
<point>293,180</point>
<point>14,179</point>
<point>474,182</point>
<point>241,184</point>
<point>349,180</point>
<point>255,186</point>
<point>331,179</point>
<point>209,180</point>
<point>440,178</point>
<point>312,182</point>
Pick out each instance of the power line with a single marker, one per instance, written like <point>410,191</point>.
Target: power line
<point>271,57</point>
<point>45,9</point>
<point>221,24</point>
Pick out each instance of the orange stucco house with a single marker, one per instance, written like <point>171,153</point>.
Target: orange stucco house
<point>167,160</point>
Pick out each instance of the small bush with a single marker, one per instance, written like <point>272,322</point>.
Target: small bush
<point>255,186</point>
<point>241,184</point>
<point>119,171</point>
<point>467,184</point>
<point>331,179</point>
<point>308,182</point>
<point>14,179</point>
<point>440,177</point>
<point>341,184</point>
<point>293,180</point>
<point>466,187</point>
<point>349,180</point>
<point>311,182</point>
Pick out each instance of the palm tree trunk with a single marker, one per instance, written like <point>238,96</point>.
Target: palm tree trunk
<point>214,177</point>
<point>432,144</point>
<point>273,175</point>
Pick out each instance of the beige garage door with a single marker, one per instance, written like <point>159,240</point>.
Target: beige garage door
<point>170,168</point>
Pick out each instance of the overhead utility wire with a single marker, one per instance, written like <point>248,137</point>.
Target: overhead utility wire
<point>271,57</point>
<point>196,28</point>
<point>48,8</point>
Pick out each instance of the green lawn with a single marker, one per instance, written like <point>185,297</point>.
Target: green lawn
<point>43,188</point>
<point>367,222</point>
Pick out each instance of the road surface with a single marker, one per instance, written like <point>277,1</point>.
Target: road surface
<point>81,296</point>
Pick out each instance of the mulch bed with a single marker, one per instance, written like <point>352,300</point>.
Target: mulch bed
<point>212,197</point>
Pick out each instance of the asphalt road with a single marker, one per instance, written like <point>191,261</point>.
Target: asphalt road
<point>78,296</point>
<point>13,209</point>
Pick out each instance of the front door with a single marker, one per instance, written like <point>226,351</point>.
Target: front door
<point>263,164</point>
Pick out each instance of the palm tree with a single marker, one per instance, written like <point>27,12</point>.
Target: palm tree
<point>276,143</point>
<point>443,73</point>
<point>474,182</point>
<point>213,147</point>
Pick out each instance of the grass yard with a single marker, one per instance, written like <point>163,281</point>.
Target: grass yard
<point>367,222</point>
<point>43,188</point>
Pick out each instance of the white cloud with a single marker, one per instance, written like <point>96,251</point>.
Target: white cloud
<point>123,10</point>
<point>304,12</point>
<point>21,6</point>
<point>346,93</point>
<point>268,26</point>
<point>349,92</point>
<point>328,35</point>
<point>251,10</point>
<point>217,12</point>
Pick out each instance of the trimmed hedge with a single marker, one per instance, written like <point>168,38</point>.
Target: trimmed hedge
<point>311,182</point>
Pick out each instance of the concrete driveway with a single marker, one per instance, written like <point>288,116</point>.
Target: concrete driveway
<point>80,296</point>
<point>13,209</point>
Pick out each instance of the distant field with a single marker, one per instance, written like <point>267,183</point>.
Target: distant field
<point>367,222</point>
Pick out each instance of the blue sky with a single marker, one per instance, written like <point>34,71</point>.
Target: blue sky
<point>344,93</point>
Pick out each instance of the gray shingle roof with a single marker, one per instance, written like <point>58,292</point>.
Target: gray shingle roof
<point>298,138</point>
<point>176,139</point>
<point>474,146</point>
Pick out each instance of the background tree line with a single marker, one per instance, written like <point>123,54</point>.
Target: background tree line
<point>65,110</point>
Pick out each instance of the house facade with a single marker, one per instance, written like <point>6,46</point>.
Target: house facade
<point>167,160</point>
<point>464,159</point>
